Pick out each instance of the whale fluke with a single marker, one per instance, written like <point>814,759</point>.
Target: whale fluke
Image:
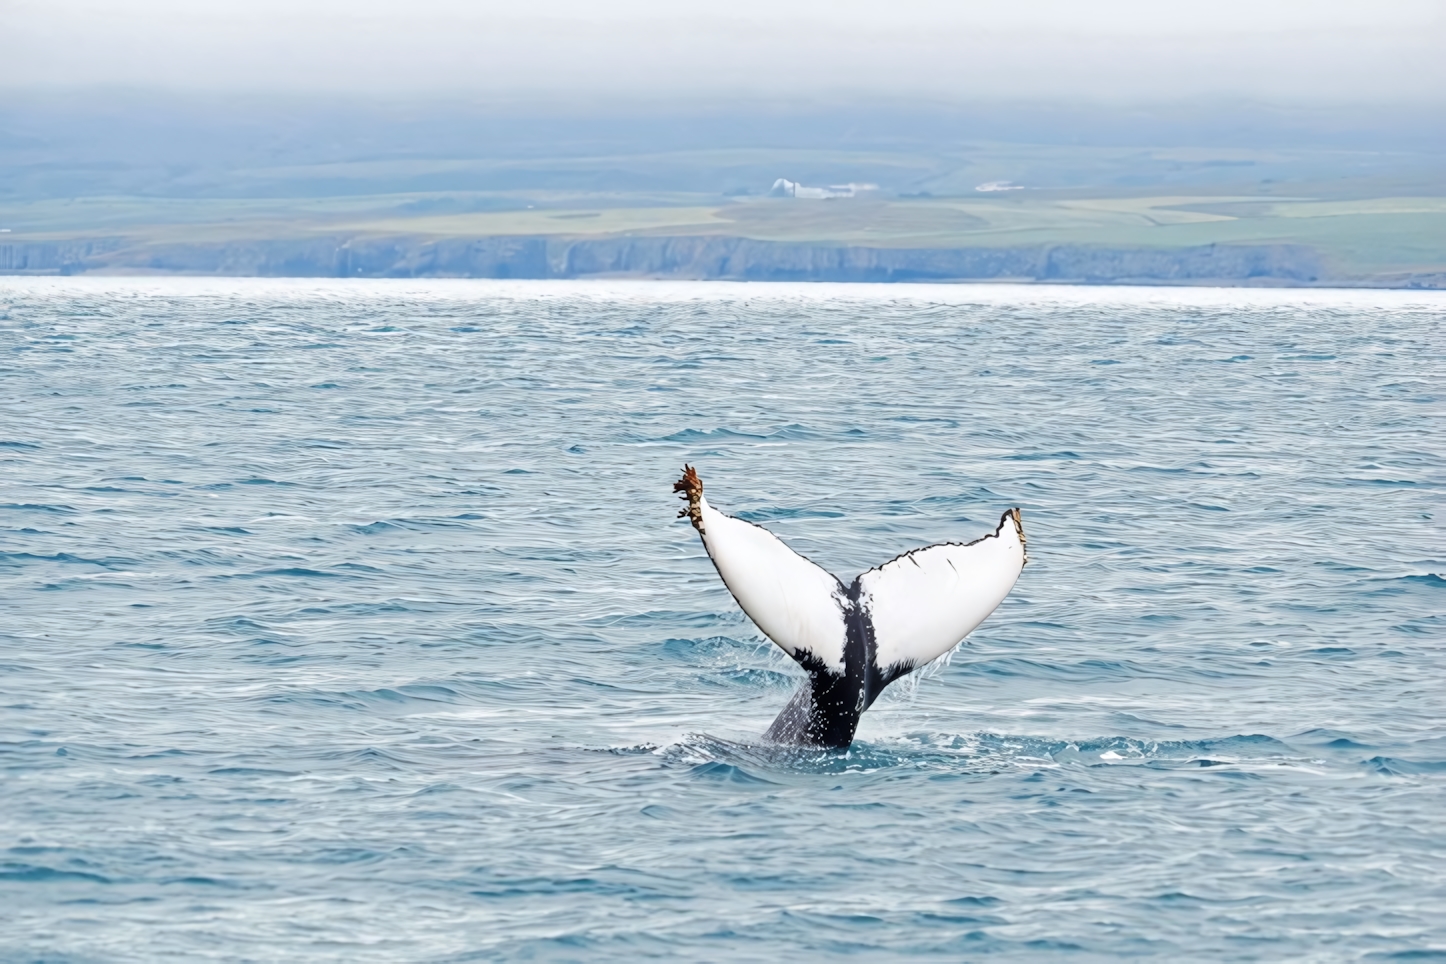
<point>853,640</point>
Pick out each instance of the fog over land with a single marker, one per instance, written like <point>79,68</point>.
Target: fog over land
<point>1126,51</point>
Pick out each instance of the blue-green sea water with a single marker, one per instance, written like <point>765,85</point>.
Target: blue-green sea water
<point>352,622</point>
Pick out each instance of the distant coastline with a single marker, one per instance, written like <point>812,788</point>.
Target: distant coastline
<point>851,193</point>
<point>696,258</point>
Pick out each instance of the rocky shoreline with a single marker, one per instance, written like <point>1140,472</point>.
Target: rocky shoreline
<point>688,257</point>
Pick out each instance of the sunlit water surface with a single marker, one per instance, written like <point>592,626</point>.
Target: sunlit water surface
<point>351,622</point>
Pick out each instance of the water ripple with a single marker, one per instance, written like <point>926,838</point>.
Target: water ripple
<point>352,622</point>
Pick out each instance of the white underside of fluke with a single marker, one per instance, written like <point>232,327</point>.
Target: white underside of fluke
<point>921,604</point>
<point>793,601</point>
<point>925,602</point>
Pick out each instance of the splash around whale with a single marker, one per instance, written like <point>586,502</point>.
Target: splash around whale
<point>854,640</point>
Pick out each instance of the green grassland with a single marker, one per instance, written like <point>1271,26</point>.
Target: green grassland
<point>1369,216</point>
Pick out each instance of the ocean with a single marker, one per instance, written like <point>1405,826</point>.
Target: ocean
<point>351,621</point>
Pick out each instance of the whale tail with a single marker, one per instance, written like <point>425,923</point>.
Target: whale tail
<point>854,640</point>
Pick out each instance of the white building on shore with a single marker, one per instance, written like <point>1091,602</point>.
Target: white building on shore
<point>786,188</point>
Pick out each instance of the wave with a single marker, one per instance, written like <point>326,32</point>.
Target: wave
<point>973,754</point>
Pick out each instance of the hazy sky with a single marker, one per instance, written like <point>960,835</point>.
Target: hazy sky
<point>1278,51</point>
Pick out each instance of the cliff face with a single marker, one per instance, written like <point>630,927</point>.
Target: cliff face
<point>739,259</point>
<point>742,259</point>
<point>55,257</point>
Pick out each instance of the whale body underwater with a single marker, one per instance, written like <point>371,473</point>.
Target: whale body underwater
<point>853,640</point>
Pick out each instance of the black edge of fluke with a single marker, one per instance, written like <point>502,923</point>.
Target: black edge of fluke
<point>1010,515</point>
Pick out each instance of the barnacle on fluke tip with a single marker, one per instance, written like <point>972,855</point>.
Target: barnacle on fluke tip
<point>691,488</point>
